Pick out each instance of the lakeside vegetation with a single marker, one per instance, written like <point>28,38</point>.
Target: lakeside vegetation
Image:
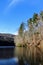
<point>31,32</point>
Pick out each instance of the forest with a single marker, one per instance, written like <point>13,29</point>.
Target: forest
<point>31,32</point>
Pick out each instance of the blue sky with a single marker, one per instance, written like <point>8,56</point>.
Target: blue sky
<point>13,12</point>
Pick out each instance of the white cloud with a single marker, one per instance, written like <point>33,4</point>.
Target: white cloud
<point>16,33</point>
<point>12,3</point>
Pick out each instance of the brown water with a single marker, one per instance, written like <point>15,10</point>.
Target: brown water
<point>21,56</point>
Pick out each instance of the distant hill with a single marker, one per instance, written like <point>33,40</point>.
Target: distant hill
<point>6,35</point>
<point>6,38</point>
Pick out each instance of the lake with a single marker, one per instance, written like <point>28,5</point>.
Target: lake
<point>10,55</point>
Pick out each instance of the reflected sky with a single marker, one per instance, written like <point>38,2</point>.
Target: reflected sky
<point>12,61</point>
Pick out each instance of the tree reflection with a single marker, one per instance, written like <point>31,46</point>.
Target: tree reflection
<point>30,56</point>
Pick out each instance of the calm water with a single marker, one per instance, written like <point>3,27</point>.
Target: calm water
<point>21,56</point>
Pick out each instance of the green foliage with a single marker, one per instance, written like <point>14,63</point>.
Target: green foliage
<point>21,29</point>
<point>35,17</point>
<point>19,45</point>
<point>41,14</point>
<point>30,23</point>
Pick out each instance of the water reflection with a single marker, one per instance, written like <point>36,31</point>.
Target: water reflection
<point>21,56</point>
<point>6,53</point>
<point>31,56</point>
<point>11,61</point>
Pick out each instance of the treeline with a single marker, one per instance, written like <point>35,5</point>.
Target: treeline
<point>31,31</point>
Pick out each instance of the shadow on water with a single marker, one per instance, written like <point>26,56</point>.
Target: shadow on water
<point>6,53</point>
<point>7,43</point>
<point>21,56</point>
